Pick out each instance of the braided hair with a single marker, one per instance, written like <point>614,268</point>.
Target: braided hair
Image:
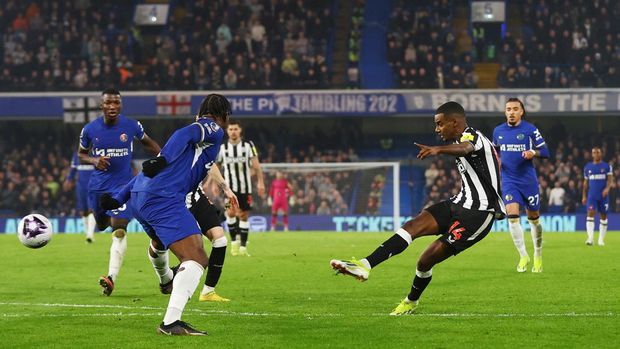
<point>216,106</point>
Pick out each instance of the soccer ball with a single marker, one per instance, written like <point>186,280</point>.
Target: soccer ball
<point>34,231</point>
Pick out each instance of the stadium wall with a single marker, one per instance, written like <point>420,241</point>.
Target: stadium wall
<point>550,223</point>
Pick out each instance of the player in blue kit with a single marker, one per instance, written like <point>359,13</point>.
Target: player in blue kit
<point>158,201</point>
<point>519,142</point>
<point>597,181</point>
<point>78,177</point>
<point>107,143</point>
<point>209,218</point>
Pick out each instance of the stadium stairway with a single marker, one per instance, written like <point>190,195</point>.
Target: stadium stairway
<point>460,27</point>
<point>487,74</point>
<point>340,45</point>
<point>375,71</point>
<point>514,24</point>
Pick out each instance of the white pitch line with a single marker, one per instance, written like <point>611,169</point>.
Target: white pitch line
<point>251,314</point>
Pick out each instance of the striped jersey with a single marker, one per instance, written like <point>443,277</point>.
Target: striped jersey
<point>236,161</point>
<point>480,176</point>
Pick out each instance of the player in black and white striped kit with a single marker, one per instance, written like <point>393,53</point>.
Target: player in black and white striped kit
<point>461,221</point>
<point>238,158</point>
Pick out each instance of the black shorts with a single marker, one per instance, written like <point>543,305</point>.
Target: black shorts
<point>459,227</point>
<point>245,201</point>
<point>206,213</point>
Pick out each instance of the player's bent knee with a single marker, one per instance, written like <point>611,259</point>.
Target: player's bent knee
<point>119,233</point>
<point>222,241</point>
<point>214,233</point>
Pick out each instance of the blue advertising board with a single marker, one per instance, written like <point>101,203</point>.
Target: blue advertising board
<point>550,223</point>
<point>81,106</point>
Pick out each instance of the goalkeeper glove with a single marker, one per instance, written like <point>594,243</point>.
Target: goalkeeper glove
<point>152,167</point>
<point>107,202</point>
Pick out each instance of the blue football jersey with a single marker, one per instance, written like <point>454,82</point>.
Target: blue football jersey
<point>596,174</point>
<point>81,171</point>
<point>116,142</point>
<point>190,152</point>
<point>512,141</point>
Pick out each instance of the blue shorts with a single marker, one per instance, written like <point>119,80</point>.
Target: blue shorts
<point>525,195</point>
<point>81,197</point>
<point>599,204</point>
<point>163,218</point>
<point>122,212</point>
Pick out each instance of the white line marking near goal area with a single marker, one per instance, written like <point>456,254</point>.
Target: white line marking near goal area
<point>251,314</point>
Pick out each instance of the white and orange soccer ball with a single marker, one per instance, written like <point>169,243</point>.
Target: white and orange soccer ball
<point>34,231</point>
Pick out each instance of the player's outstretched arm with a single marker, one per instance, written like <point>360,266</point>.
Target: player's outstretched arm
<point>584,194</point>
<point>458,149</point>
<point>610,183</point>
<point>259,175</point>
<point>215,176</point>
<point>150,145</point>
<point>101,163</point>
<point>540,149</point>
<point>124,194</point>
<point>152,167</point>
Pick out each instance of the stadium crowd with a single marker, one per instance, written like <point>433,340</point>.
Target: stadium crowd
<point>315,192</point>
<point>33,173</point>
<point>85,45</point>
<point>421,47</point>
<point>563,46</point>
<point>32,176</point>
<point>560,178</point>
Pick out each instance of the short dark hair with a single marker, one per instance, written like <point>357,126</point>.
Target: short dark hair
<point>514,99</point>
<point>110,91</point>
<point>215,105</point>
<point>234,122</point>
<point>451,109</point>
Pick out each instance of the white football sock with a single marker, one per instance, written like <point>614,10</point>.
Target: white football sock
<point>91,223</point>
<point>517,235</point>
<point>536,232</point>
<point>85,223</point>
<point>590,228</point>
<point>602,230</point>
<point>207,289</point>
<point>183,287</point>
<point>160,264</point>
<point>117,253</point>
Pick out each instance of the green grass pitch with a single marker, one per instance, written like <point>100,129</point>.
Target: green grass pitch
<point>286,296</point>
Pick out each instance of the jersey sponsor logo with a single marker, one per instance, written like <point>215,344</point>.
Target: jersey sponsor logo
<point>600,176</point>
<point>112,152</point>
<point>513,147</point>
<point>467,137</point>
<point>123,137</point>
<point>520,136</point>
<point>236,159</point>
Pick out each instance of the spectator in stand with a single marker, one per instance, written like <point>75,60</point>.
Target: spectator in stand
<point>323,208</point>
<point>113,54</point>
